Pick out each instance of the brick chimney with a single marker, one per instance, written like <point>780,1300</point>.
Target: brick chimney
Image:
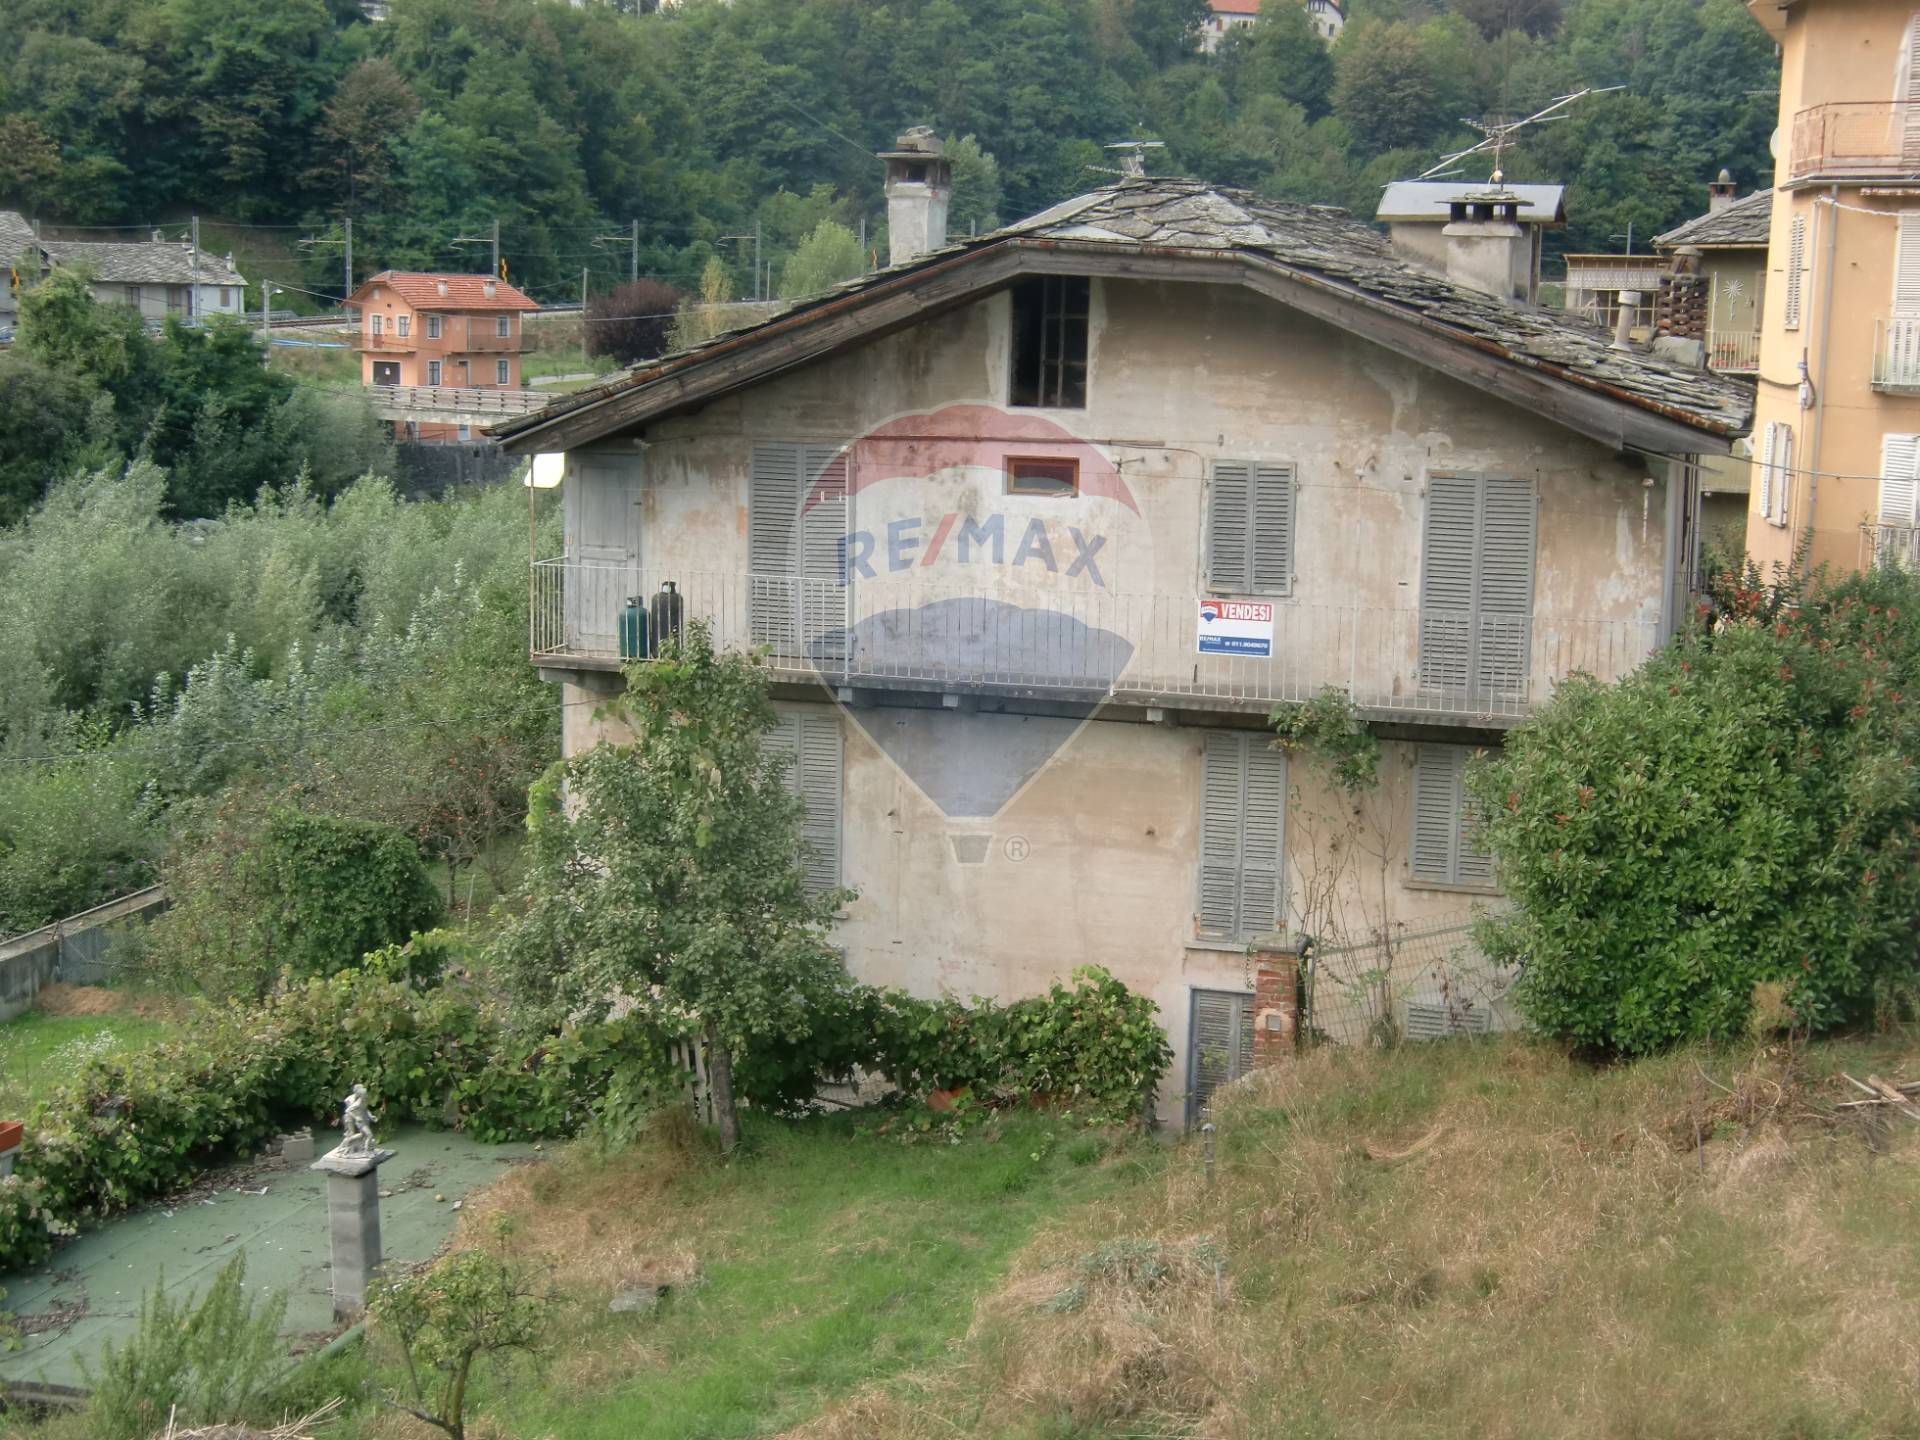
<point>1488,248</point>
<point>1720,192</point>
<point>919,187</point>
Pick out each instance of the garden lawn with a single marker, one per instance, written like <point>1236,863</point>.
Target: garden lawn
<point>822,1262</point>
<point>40,1051</point>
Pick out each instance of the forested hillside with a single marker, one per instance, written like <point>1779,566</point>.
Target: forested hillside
<point>705,120</point>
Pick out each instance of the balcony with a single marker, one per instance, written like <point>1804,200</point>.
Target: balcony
<point>478,340</point>
<point>1089,647</point>
<point>1896,355</point>
<point>386,342</point>
<point>1734,352</point>
<point>1896,546</point>
<point>1856,140</point>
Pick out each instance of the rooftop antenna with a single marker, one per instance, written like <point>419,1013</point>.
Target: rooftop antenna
<point>1497,135</point>
<point>1132,157</point>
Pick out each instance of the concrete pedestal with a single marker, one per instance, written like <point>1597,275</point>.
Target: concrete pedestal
<point>353,1224</point>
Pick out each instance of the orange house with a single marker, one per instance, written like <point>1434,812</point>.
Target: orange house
<point>462,331</point>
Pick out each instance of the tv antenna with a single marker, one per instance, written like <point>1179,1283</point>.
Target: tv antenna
<point>1132,157</point>
<point>1497,135</point>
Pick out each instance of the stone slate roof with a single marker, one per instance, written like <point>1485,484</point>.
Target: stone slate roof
<point>1315,242</point>
<point>16,237</point>
<point>143,262</point>
<point>1742,224</point>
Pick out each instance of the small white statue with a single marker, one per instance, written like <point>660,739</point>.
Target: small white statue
<point>356,1123</point>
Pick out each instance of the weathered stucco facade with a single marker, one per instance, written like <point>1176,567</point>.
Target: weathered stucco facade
<point>995,629</point>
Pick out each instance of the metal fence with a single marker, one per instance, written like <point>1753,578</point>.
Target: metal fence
<point>1408,984</point>
<point>1088,644</point>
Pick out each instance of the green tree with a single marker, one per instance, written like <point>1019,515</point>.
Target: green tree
<point>1387,86</point>
<point>1743,810</point>
<point>465,1308</point>
<point>975,208</point>
<point>670,875</point>
<point>372,107</point>
<point>43,419</point>
<point>828,256</point>
<point>1495,17</point>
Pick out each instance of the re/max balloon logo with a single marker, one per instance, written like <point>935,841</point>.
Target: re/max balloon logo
<point>915,540</point>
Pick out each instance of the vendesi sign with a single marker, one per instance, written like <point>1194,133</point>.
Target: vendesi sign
<point>1236,627</point>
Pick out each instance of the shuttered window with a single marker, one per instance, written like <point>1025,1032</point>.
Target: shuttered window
<point>1796,262</point>
<point>796,525</point>
<point>1899,479</point>
<point>813,742</point>
<point>1250,509</point>
<point>1243,799</point>
<point>1219,1045</point>
<point>1906,266</point>
<point>1445,847</point>
<point>1773,479</point>
<point>1476,584</point>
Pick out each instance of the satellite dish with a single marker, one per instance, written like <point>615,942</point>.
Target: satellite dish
<point>548,468</point>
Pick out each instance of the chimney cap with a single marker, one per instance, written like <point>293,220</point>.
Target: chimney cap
<point>1725,177</point>
<point>440,287</point>
<point>917,143</point>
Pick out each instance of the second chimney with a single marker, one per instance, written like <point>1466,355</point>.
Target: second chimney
<point>1487,246</point>
<point>1720,192</point>
<point>919,187</point>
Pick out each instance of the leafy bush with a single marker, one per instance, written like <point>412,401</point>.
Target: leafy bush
<point>334,889</point>
<point>196,1362</point>
<point>1745,809</point>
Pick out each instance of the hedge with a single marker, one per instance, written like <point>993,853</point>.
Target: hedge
<point>135,1127</point>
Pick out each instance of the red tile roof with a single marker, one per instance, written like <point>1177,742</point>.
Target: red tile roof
<point>1234,7</point>
<point>423,291</point>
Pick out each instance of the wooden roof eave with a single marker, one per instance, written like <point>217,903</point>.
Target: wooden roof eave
<point>1581,403</point>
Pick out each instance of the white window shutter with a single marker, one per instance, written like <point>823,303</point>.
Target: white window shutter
<point>1899,479</point>
<point>1229,527</point>
<point>1782,475</point>
<point>1796,262</point>
<point>1763,481</point>
<point>1906,266</point>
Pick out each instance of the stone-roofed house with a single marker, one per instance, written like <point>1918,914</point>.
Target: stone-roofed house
<point>156,277</point>
<point>19,263</point>
<point>1033,532</point>
<point>1418,212</point>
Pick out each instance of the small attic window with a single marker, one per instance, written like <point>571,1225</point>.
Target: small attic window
<point>1050,342</point>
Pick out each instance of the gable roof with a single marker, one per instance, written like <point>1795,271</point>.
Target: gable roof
<point>143,262</point>
<point>422,290</point>
<point>1405,200</point>
<point>1234,7</point>
<point>1313,258</point>
<point>1742,225</point>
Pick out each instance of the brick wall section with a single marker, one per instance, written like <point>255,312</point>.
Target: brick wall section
<point>1276,1005</point>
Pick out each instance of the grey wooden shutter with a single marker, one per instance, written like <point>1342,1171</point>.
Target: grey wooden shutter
<point>1229,529</point>
<point>1447,578</point>
<point>1504,595</point>
<point>1273,495</point>
<point>814,745</point>
<point>823,531</point>
<point>1219,1044</point>
<point>1250,524</point>
<point>1796,262</point>
<point>1446,848</point>
<point>1220,780</point>
<point>773,525</point>
<point>1243,802</point>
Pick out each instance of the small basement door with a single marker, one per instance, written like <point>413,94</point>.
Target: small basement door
<point>1219,1045</point>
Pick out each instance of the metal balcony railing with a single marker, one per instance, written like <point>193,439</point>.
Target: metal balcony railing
<point>1895,545</point>
<point>1737,351</point>
<point>386,340</point>
<point>1856,139</point>
<point>917,634</point>
<point>1896,353</point>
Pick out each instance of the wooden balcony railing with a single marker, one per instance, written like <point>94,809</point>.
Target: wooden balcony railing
<point>1856,140</point>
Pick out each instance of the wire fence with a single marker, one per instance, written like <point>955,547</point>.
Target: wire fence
<point>1408,984</point>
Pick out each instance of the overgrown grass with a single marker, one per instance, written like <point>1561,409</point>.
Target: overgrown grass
<point>39,1051</point>
<point>820,1263</point>
<point>1474,1240</point>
